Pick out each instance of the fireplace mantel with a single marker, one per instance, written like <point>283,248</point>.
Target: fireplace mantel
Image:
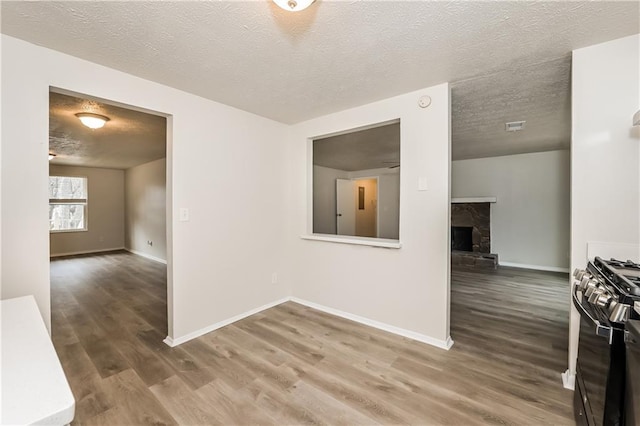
<point>474,200</point>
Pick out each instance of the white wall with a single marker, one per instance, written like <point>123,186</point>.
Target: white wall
<point>324,198</point>
<point>530,220</point>
<point>225,165</point>
<point>605,192</point>
<point>145,209</point>
<point>388,199</point>
<point>408,287</point>
<point>105,221</point>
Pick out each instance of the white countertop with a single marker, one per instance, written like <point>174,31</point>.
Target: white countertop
<point>34,387</point>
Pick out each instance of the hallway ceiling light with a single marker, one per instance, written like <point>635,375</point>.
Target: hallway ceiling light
<point>293,5</point>
<point>92,121</point>
<point>51,156</point>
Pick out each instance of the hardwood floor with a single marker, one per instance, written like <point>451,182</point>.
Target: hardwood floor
<point>295,365</point>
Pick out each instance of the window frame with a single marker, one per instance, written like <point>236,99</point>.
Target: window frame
<point>75,201</point>
<point>349,239</point>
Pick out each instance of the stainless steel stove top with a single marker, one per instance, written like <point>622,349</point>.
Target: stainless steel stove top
<point>612,287</point>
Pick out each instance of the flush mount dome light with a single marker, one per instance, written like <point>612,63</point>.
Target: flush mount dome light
<point>293,5</point>
<point>92,121</point>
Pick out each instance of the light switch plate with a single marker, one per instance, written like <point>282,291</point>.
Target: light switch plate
<point>422,183</point>
<point>184,214</point>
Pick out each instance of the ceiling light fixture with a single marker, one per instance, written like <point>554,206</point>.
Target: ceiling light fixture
<point>92,121</point>
<point>293,5</point>
<point>51,156</point>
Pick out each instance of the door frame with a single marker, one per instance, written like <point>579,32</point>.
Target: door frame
<point>168,185</point>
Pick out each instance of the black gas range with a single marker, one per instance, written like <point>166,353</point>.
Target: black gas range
<point>606,294</point>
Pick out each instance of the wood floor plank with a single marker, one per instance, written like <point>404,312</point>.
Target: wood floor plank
<point>186,407</point>
<point>295,365</point>
<point>193,372</point>
<point>85,381</point>
<point>280,407</point>
<point>106,358</point>
<point>233,406</point>
<point>221,368</point>
<point>294,347</point>
<point>130,393</point>
<point>113,416</point>
<point>326,407</point>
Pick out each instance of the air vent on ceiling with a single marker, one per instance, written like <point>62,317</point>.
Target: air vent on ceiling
<point>514,126</point>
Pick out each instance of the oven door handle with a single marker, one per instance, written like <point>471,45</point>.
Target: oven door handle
<point>601,330</point>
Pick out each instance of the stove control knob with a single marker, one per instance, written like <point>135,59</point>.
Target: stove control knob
<point>595,295</point>
<point>590,287</point>
<point>579,274</point>
<point>603,299</point>
<point>619,313</point>
<point>586,282</point>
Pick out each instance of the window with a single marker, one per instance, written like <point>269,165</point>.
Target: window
<point>356,182</point>
<point>67,204</point>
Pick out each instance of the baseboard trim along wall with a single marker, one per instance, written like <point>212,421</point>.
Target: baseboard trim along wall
<point>443,344</point>
<point>568,380</point>
<point>74,253</point>
<point>180,340</point>
<point>148,256</point>
<point>536,267</point>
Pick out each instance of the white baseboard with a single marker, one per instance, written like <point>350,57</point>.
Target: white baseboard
<point>182,339</point>
<point>148,256</point>
<point>568,380</point>
<point>443,344</point>
<point>73,253</point>
<point>536,267</point>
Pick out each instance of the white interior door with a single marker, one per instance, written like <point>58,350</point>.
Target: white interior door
<point>345,207</point>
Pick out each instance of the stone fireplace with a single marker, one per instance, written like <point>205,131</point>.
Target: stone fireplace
<point>471,232</point>
<point>462,238</point>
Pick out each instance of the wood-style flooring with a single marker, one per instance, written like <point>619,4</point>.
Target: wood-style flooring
<point>295,365</point>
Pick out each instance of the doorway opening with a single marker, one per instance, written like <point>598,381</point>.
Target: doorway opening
<point>357,207</point>
<point>510,213</point>
<point>108,202</point>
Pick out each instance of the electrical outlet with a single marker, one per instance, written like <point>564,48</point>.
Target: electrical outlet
<point>274,278</point>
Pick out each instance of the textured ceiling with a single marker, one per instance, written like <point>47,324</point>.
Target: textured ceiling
<point>360,150</point>
<point>539,94</point>
<point>129,139</point>
<point>336,54</point>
